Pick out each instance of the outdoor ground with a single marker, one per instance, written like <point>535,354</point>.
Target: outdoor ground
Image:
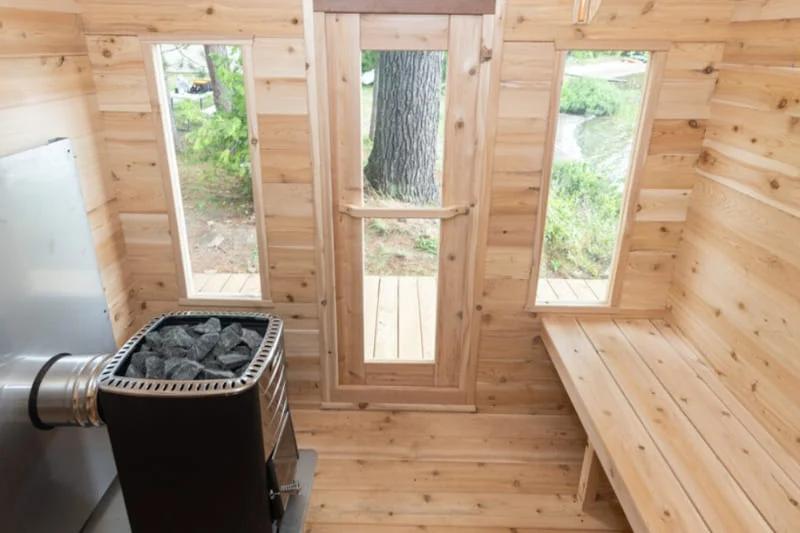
<point>220,224</point>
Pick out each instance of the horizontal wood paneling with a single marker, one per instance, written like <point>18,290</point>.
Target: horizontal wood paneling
<point>735,290</point>
<point>47,92</point>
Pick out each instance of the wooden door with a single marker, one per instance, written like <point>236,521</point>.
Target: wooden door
<point>391,345</point>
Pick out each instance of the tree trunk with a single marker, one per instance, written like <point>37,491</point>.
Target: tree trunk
<point>402,164</point>
<point>222,94</point>
<point>374,113</point>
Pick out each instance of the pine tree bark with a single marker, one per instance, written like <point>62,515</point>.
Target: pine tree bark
<point>402,164</point>
<point>222,94</point>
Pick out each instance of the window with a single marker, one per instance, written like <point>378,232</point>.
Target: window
<point>205,118</point>
<point>402,125</point>
<point>600,112</point>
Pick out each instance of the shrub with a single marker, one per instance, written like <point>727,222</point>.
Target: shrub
<point>582,218</point>
<point>223,139</point>
<point>590,96</point>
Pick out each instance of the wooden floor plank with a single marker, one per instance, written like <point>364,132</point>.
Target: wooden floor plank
<point>427,291</point>
<point>623,445</point>
<point>215,283</point>
<point>478,426</point>
<point>721,503</point>
<point>252,285</point>
<point>455,509</point>
<point>409,325</point>
<point>234,284</point>
<point>386,321</point>
<point>369,528</point>
<point>371,285</point>
<point>442,476</point>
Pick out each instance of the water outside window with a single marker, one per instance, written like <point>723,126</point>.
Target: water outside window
<point>402,125</point>
<point>600,110</point>
<point>208,120</point>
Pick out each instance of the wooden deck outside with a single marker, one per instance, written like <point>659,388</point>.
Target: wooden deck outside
<point>226,283</point>
<point>572,291</point>
<point>400,318</point>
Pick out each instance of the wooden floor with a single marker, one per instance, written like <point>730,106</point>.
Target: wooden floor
<point>571,291</point>
<point>227,283</point>
<point>405,472</point>
<point>400,318</point>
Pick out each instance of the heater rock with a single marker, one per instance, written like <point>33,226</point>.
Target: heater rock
<point>203,346</point>
<point>230,336</point>
<point>133,372</point>
<point>212,325</point>
<point>233,360</point>
<point>210,373</point>
<point>252,339</point>
<point>177,337</point>
<point>175,351</point>
<point>186,370</point>
<point>243,349</point>
<point>138,360</point>
<point>154,368</point>
<point>154,340</point>
<point>170,365</point>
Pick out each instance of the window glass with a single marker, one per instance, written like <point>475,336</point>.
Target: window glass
<point>600,110</point>
<point>207,116</point>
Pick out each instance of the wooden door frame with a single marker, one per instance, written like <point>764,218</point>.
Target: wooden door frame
<point>484,70</point>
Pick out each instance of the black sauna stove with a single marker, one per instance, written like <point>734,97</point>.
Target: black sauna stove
<point>215,456</point>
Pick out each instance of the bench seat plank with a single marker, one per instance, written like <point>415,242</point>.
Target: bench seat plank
<point>627,452</point>
<point>707,375</point>
<point>764,470</point>
<point>721,502</point>
<point>730,471</point>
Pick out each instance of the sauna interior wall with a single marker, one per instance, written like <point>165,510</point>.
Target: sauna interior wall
<point>47,91</point>
<point>736,291</point>
<point>514,373</point>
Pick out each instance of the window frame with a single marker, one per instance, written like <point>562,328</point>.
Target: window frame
<point>633,182</point>
<point>171,180</point>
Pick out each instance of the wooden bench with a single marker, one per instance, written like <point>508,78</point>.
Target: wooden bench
<point>681,453</point>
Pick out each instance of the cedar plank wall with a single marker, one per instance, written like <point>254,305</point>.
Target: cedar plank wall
<point>46,92</point>
<point>281,103</point>
<point>736,291</point>
<point>514,371</point>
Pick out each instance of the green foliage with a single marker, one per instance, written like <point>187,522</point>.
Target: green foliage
<point>590,96</point>
<point>582,219</point>
<point>222,139</point>
<point>429,245</point>
<point>379,227</point>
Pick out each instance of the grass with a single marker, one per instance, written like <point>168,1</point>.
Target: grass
<point>400,247</point>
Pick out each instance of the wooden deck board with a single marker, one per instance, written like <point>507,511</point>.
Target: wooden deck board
<point>400,318</point>
<point>427,288</point>
<point>409,325</point>
<point>386,321</point>
<point>371,285</point>
<point>556,291</point>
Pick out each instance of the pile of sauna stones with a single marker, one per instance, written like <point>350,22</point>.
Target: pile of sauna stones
<point>195,352</point>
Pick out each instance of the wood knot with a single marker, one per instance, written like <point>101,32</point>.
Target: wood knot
<point>295,21</point>
<point>254,141</point>
<point>473,71</point>
<point>775,184</point>
<point>648,7</point>
<point>210,11</point>
<point>709,69</point>
<point>693,123</point>
<point>486,54</point>
<point>783,103</point>
<point>363,405</point>
<point>107,53</point>
<point>460,124</point>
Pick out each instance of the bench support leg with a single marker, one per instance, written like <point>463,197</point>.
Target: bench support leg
<point>590,478</point>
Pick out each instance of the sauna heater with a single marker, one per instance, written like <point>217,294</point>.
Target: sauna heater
<point>204,456</point>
